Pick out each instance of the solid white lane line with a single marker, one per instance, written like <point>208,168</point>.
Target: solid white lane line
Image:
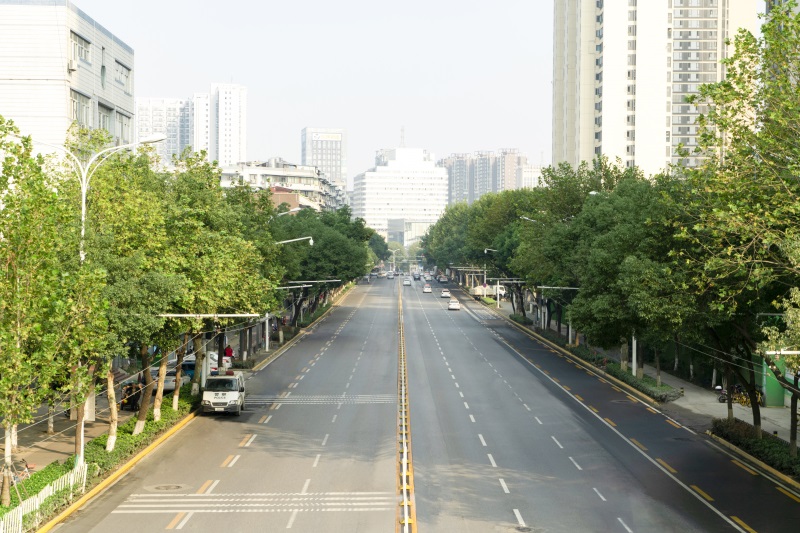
<point>183,522</point>
<point>305,486</point>
<point>491,460</point>
<point>526,406</point>
<point>481,437</point>
<point>466,405</point>
<point>316,461</point>
<point>325,440</point>
<point>334,419</point>
<point>233,462</point>
<point>291,519</point>
<point>537,419</point>
<point>505,487</point>
<point>556,441</point>
<point>624,525</point>
<point>472,418</point>
<point>575,463</point>
<point>250,441</point>
<point>520,521</point>
<point>598,493</point>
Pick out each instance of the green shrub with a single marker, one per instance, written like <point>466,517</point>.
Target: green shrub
<point>238,363</point>
<point>38,480</point>
<point>769,449</point>
<point>524,320</point>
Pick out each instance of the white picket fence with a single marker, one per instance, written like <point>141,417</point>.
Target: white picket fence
<point>75,480</point>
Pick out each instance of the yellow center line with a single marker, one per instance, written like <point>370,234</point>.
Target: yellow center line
<point>546,372</point>
<point>176,520</point>
<point>226,461</point>
<point>671,423</point>
<point>639,444</point>
<point>555,379</point>
<point>665,465</point>
<point>589,373</point>
<point>593,409</point>
<point>631,398</point>
<point>789,494</point>
<point>566,388</point>
<point>244,440</point>
<point>652,410</point>
<point>616,388</point>
<point>579,398</point>
<point>261,421</point>
<point>601,380</point>
<point>744,526</point>
<point>699,491</point>
<point>746,469</point>
<point>205,486</point>
<point>610,422</point>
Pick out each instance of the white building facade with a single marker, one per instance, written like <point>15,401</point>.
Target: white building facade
<point>326,149</point>
<point>622,70</point>
<point>59,66</point>
<point>405,185</point>
<point>228,123</point>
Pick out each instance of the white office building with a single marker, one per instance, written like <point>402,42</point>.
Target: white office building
<point>405,186</point>
<point>59,66</point>
<point>622,70</point>
<point>326,149</point>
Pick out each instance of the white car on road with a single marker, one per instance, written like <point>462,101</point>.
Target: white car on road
<point>445,293</point>
<point>454,305</point>
<point>427,288</point>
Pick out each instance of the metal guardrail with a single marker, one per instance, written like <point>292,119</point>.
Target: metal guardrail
<point>15,520</point>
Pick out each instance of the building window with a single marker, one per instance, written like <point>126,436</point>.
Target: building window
<point>80,48</point>
<point>122,75</point>
<point>81,109</point>
<point>104,116</point>
<point>123,129</point>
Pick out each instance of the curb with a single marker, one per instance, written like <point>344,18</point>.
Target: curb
<point>783,477</point>
<point>577,360</point>
<point>117,474</point>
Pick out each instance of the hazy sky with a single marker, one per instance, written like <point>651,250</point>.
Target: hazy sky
<point>459,75</point>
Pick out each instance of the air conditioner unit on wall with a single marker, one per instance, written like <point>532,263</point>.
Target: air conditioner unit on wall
<point>71,66</point>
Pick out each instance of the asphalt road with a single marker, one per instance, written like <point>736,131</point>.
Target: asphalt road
<point>506,436</point>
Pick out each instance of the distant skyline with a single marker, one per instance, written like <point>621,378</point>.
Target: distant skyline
<point>458,75</point>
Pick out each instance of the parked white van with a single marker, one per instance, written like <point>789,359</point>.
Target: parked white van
<point>225,393</point>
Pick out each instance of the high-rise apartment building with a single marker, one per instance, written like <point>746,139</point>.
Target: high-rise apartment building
<point>170,116</point>
<point>228,124</point>
<point>622,70</point>
<point>215,122</point>
<point>59,66</point>
<point>470,176</point>
<point>326,149</point>
<point>405,187</point>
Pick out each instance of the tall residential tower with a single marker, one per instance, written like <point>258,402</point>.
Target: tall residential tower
<point>622,70</point>
<point>326,149</point>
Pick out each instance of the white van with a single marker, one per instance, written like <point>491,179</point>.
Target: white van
<point>225,393</point>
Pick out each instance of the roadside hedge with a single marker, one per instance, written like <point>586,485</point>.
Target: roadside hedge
<point>95,452</point>
<point>768,449</point>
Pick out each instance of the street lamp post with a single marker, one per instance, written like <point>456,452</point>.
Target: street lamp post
<point>309,239</point>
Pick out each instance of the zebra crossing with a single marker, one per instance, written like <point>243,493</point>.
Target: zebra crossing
<point>255,400</point>
<point>269,502</point>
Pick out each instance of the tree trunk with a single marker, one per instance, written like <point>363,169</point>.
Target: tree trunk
<point>199,355</point>
<point>147,392</point>
<point>714,377</point>
<point>112,412</point>
<point>51,412</point>
<point>162,374</point>
<point>178,373</point>
<point>5,497</point>
<point>729,389</point>
<point>691,367</point>
<point>623,356</point>
<point>658,369</point>
<point>677,355</point>
<point>14,440</point>
<point>558,319</point>
<point>80,408</point>
<point>751,392</point>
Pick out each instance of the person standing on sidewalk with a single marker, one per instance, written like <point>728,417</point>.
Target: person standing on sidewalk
<point>229,353</point>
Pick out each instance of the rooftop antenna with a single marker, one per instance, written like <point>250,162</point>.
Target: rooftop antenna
<point>402,136</point>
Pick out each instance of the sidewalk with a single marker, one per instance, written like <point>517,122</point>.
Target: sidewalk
<point>698,406</point>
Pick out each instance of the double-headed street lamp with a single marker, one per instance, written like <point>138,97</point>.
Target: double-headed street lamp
<point>85,170</point>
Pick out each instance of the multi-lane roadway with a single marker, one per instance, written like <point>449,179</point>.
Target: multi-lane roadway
<point>506,435</point>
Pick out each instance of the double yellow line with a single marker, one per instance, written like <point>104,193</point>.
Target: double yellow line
<point>406,513</point>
